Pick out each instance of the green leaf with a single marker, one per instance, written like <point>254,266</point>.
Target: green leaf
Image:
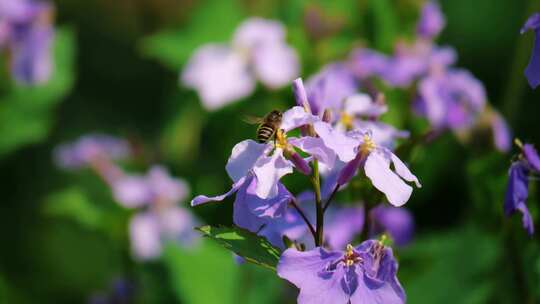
<point>253,248</point>
<point>385,24</point>
<point>72,203</point>
<point>212,22</point>
<point>25,111</point>
<point>201,275</point>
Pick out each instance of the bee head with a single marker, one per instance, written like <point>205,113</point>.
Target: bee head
<point>275,115</point>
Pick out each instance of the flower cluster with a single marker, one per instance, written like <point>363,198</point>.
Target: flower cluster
<point>26,32</point>
<point>223,73</point>
<point>333,138</point>
<point>155,194</point>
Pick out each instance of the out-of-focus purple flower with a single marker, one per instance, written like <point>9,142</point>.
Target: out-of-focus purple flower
<point>157,187</point>
<point>452,100</point>
<point>517,192</point>
<point>363,274</point>
<point>88,148</point>
<point>397,222</point>
<point>376,161</point>
<point>342,225</point>
<point>223,73</point>
<point>366,63</point>
<point>26,30</point>
<point>150,229</point>
<point>532,72</point>
<point>502,136</point>
<point>96,151</point>
<point>219,74</point>
<point>329,88</point>
<point>431,21</point>
<point>163,220</point>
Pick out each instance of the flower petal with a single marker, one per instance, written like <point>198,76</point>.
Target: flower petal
<point>219,75</point>
<point>362,104</point>
<point>343,145</point>
<point>276,65</point>
<point>243,157</point>
<point>297,117</point>
<point>202,199</point>
<point>403,171</point>
<point>315,147</point>
<point>532,156</point>
<point>144,232</point>
<point>256,31</point>
<point>268,171</point>
<point>303,269</point>
<point>132,191</point>
<point>377,169</point>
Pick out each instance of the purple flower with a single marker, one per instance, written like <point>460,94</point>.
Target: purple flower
<point>163,220</point>
<point>502,137</point>
<point>366,63</point>
<point>267,162</point>
<point>397,222</point>
<point>532,72</point>
<point>329,88</point>
<point>376,161</point>
<point>96,151</point>
<point>150,229</point>
<point>342,225</point>
<point>157,187</point>
<point>517,192</point>
<point>431,21</point>
<point>451,100</point>
<point>360,112</point>
<point>363,274</point>
<point>26,29</point>
<point>223,73</point>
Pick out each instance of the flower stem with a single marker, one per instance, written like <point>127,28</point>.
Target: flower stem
<point>316,181</point>
<point>304,217</point>
<point>330,198</point>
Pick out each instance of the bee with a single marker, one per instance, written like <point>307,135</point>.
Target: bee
<point>268,125</point>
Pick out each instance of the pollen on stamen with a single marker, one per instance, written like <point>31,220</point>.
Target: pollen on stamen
<point>281,140</point>
<point>347,120</point>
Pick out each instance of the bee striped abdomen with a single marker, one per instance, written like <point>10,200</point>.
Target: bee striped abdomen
<point>264,133</point>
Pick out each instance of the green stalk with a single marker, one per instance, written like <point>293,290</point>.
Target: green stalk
<point>316,182</point>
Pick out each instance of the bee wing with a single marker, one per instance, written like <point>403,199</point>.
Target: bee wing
<point>253,120</point>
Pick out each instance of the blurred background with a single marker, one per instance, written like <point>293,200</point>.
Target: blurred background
<point>117,66</point>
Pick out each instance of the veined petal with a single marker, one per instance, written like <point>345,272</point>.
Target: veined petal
<point>268,171</point>
<point>297,117</point>
<point>315,147</point>
<point>377,169</point>
<point>243,157</point>
<point>306,271</point>
<point>343,145</point>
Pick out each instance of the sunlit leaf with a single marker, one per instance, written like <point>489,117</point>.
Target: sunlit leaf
<point>251,247</point>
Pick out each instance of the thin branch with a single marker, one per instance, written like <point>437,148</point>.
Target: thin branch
<point>304,217</point>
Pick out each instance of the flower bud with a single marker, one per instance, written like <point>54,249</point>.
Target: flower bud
<point>350,169</point>
<point>300,94</point>
<point>327,116</point>
<point>300,163</point>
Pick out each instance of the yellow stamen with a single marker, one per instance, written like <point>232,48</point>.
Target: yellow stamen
<point>281,140</point>
<point>368,145</point>
<point>347,120</point>
<point>349,255</point>
<point>518,143</point>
